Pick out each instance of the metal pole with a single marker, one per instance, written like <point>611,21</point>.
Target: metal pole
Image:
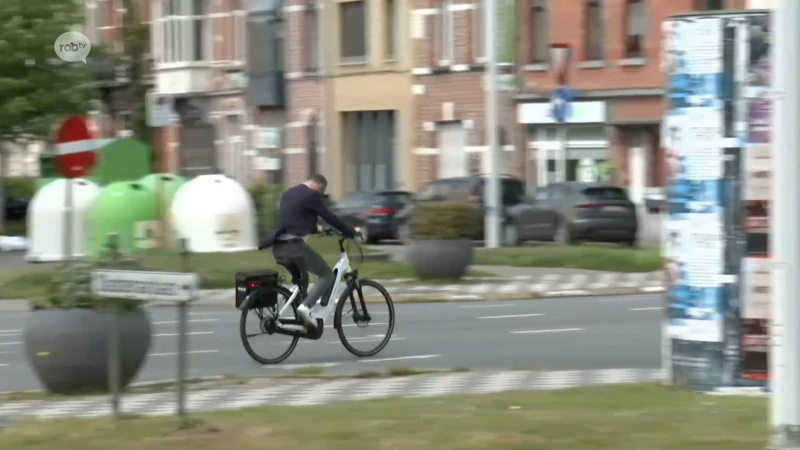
<point>183,312</point>
<point>492,193</point>
<point>67,245</point>
<point>562,155</point>
<point>182,363</point>
<point>785,246</point>
<point>114,363</point>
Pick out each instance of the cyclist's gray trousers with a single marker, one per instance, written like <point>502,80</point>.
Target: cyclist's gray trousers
<point>313,263</point>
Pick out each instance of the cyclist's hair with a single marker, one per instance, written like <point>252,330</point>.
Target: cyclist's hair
<point>319,179</point>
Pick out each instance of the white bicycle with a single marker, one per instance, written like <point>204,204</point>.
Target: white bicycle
<point>269,303</point>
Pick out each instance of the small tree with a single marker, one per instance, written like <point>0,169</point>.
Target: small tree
<point>37,89</point>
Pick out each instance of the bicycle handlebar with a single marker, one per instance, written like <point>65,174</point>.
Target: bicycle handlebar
<point>335,232</point>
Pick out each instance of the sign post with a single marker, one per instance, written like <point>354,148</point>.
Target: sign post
<point>76,155</point>
<point>175,287</point>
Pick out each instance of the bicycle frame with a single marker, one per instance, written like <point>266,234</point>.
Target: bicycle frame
<point>341,269</point>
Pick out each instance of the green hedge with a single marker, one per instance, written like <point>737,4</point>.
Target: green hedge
<point>266,198</point>
<point>23,187</point>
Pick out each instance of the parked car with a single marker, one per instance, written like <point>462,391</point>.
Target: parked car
<point>373,211</point>
<point>516,206</point>
<point>566,213</point>
<point>572,212</point>
<point>16,208</point>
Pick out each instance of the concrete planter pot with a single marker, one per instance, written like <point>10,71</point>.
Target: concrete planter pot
<point>68,348</point>
<point>441,258</point>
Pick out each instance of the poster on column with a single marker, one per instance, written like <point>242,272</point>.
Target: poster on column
<point>696,245</point>
<point>758,169</point>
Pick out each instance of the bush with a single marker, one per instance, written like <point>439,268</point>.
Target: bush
<point>445,220</point>
<point>23,187</point>
<point>70,286</point>
<point>266,198</point>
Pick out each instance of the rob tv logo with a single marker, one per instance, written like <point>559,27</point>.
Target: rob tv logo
<point>72,47</point>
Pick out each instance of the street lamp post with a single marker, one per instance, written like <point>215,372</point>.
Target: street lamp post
<point>492,198</point>
<point>785,230</point>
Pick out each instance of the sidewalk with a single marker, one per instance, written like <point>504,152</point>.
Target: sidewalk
<point>511,282</point>
<point>310,391</point>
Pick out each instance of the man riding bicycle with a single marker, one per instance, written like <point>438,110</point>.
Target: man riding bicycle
<point>298,213</point>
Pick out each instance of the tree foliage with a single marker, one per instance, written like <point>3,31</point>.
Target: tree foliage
<point>37,90</point>
<point>137,44</point>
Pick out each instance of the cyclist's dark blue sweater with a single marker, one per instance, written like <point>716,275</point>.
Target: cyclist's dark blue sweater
<point>298,212</point>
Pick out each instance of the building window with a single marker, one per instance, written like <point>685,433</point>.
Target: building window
<point>709,5</point>
<point>538,32</point>
<point>353,32</point>
<point>181,31</point>
<point>593,32</point>
<point>636,25</point>
<point>446,35</point>
<point>311,38</point>
<point>391,30</point>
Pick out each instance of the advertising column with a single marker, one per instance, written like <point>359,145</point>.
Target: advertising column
<point>756,280</point>
<point>694,248</point>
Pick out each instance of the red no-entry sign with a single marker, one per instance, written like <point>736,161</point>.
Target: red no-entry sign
<point>77,147</point>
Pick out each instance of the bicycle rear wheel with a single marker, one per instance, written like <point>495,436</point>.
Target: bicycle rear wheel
<point>262,320</point>
<point>362,304</point>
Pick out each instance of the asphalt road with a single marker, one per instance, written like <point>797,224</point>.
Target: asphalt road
<point>545,334</point>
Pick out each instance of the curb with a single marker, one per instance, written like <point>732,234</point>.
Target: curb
<point>417,297</point>
<point>290,392</point>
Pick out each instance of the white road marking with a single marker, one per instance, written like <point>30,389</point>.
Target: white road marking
<point>191,333</point>
<point>175,322</point>
<point>3,365</point>
<point>511,316</point>
<point>504,305</point>
<point>399,358</point>
<point>10,332</point>
<point>10,343</point>
<point>302,366</point>
<point>654,308</point>
<point>191,352</point>
<point>555,330</point>
<point>6,352</point>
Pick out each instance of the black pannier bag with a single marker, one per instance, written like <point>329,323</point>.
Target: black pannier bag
<point>265,280</point>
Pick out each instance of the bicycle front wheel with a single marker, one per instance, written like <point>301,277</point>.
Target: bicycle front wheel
<point>366,310</point>
<point>256,328</point>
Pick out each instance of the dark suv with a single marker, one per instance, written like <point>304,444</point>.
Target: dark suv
<point>516,205</point>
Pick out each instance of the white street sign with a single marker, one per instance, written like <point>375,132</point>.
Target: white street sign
<point>145,286</point>
<point>160,110</point>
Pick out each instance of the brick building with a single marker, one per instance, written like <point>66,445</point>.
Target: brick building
<point>349,103</point>
<point>616,75</point>
<point>449,61</point>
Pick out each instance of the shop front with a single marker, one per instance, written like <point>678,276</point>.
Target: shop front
<point>574,150</point>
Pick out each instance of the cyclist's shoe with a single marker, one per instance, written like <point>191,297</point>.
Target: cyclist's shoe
<point>305,313</point>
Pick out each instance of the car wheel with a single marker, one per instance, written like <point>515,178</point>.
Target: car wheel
<point>510,235</point>
<point>631,244</point>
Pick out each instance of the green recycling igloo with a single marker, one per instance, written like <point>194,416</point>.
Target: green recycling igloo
<point>126,209</point>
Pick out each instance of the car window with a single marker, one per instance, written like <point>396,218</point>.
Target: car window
<point>354,200</point>
<point>513,192</point>
<point>453,190</point>
<point>604,193</point>
<point>427,193</point>
<point>395,200</point>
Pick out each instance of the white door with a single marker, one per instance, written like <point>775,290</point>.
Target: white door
<point>638,165</point>
<point>452,151</point>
